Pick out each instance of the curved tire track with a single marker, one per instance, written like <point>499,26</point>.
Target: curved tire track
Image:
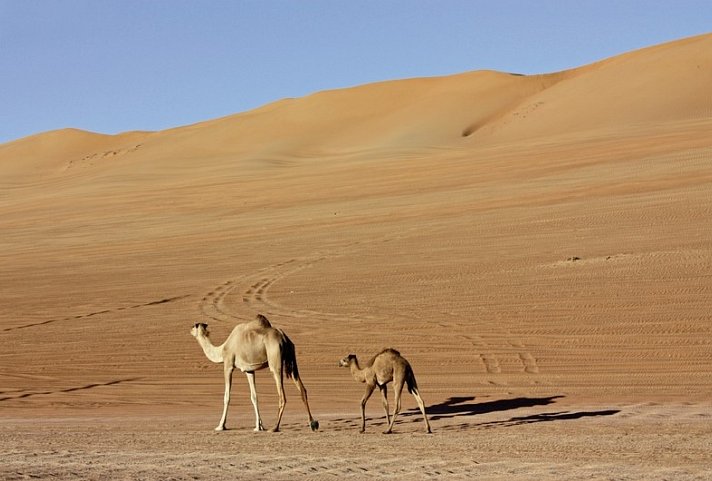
<point>252,290</point>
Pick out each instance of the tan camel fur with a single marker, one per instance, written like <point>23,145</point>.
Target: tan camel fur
<point>386,366</point>
<point>250,347</point>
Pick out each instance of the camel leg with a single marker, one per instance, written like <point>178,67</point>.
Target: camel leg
<point>384,394</point>
<point>364,399</point>
<point>282,398</point>
<point>313,424</point>
<point>397,389</point>
<point>253,397</point>
<point>226,399</point>
<point>421,405</point>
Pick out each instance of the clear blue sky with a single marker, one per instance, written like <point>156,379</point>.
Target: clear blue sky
<point>117,65</point>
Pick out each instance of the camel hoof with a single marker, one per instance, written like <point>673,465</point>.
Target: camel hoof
<point>314,425</point>
<point>388,432</point>
<point>274,429</point>
<point>220,428</point>
<point>361,431</point>
<point>257,430</point>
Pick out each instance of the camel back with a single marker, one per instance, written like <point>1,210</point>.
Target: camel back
<point>263,321</point>
<point>388,351</point>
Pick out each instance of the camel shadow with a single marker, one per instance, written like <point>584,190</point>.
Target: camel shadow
<point>548,417</point>
<point>461,406</point>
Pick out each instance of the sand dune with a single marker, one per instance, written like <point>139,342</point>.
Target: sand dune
<point>538,247</point>
<point>660,84</point>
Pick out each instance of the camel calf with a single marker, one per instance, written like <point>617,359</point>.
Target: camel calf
<point>386,366</point>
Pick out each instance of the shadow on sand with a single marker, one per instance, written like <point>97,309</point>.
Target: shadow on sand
<point>547,417</point>
<point>463,406</point>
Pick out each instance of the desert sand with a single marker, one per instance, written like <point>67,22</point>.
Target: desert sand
<point>538,247</point>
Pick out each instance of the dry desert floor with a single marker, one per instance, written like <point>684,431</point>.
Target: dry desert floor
<point>551,288</point>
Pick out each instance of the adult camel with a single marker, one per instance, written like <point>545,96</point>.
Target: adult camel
<point>250,347</point>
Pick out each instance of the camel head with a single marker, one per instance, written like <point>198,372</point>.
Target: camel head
<point>199,328</point>
<point>346,362</point>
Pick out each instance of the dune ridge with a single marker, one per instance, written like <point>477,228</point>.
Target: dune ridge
<point>657,84</point>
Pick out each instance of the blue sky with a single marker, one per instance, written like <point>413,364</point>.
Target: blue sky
<point>116,65</point>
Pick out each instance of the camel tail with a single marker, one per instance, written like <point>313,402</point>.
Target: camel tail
<point>289,358</point>
<point>410,380</point>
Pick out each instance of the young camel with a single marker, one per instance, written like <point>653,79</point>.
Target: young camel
<point>386,366</point>
<point>252,346</point>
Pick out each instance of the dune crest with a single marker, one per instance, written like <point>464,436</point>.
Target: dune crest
<point>665,83</point>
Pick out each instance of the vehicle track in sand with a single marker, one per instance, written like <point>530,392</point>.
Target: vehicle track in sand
<point>98,313</point>
<point>240,298</point>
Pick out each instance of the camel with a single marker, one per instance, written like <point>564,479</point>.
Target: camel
<point>250,347</point>
<point>386,366</point>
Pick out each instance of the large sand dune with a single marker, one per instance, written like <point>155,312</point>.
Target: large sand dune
<point>539,247</point>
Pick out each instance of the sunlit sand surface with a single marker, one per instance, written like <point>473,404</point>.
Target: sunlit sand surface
<point>538,247</point>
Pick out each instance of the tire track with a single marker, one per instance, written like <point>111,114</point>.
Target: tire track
<point>98,313</point>
<point>256,296</point>
<point>252,292</point>
<point>254,287</point>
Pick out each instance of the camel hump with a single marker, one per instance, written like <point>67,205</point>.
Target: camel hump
<point>263,321</point>
<point>390,350</point>
<point>384,353</point>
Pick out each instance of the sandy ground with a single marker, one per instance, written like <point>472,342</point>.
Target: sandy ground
<point>495,439</point>
<point>547,275</point>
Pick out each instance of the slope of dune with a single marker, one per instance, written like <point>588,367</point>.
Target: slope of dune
<point>658,84</point>
<point>538,247</point>
<point>665,83</point>
<point>54,153</point>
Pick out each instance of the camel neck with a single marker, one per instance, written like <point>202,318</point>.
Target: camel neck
<point>214,353</point>
<point>357,372</point>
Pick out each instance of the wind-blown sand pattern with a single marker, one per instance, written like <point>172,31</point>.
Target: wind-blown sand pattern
<point>538,247</point>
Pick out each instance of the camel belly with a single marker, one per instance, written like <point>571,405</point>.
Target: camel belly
<point>247,367</point>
